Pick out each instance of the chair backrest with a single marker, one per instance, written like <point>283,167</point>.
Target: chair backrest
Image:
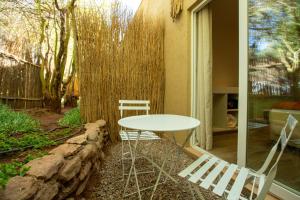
<point>283,140</point>
<point>134,105</point>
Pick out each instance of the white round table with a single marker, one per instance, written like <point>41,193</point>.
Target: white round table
<point>159,123</point>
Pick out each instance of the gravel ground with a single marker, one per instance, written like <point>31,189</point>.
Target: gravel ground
<point>107,183</point>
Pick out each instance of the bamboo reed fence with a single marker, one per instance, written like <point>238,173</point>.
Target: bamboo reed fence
<point>20,85</point>
<point>119,58</point>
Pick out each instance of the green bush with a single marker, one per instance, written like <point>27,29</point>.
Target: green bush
<point>19,130</point>
<point>36,140</point>
<point>71,118</point>
<point>16,122</point>
<point>14,168</point>
<point>8,170</point>
<point>33,155</point>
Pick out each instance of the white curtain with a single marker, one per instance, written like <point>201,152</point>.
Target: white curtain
<point>204,78</point>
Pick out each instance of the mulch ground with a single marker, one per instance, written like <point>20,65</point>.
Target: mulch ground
<point>47,119</point>
<point>107,183</point>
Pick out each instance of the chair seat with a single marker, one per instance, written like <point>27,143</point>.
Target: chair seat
<point>132,135</point>
<point>210,172</point>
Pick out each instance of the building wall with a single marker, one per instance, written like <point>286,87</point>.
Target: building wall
<point>178,51</point>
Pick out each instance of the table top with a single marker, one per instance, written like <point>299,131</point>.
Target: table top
<point>159,123</point>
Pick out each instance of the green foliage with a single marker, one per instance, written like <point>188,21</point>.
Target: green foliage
<point>8,170</point>
<point>32,139</point>
<point>34,155</point>
<point>61,133</point>
<point>19,130</point>
<point>16,122</point>
<point>71,118</point>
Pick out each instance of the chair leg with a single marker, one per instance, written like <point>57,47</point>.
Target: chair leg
<point>132,168</point>
<point>122,161</point>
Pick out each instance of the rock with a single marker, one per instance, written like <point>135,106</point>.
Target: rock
<point>20,188</point>
<point>91,126</point>
<point>102,155</point>
<point>88,151</point>
<point>98,145</point>
<point>96,166</point>
<point>100,123</point>
<point>106,133</point>
<point>66,149</point>
<point>82,186</point>
<point>101,136</point>
<point>47,191</point>
<point>92,135</point>
<point>85,170</point>
<point>81,139</point>
<point>68,188</point>
<point>70,169</point>
<point>45,167</point>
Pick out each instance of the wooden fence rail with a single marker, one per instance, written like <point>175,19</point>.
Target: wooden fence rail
<point>20,85</point>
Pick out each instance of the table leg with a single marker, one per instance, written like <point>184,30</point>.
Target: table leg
<point>132,168</point>
<point>173,166</point>
<point>160,172</point>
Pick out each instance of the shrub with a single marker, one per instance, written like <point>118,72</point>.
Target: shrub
<point>71,118</point>
<point>19,130</point>
<point>36,140</point>
<point>8,170</point>
<point>16,122</point>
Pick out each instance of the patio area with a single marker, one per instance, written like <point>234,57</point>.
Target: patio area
<point>107,182</point>
<point>145,99</point>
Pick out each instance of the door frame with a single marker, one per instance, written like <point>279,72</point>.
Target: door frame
<point>276,189</point>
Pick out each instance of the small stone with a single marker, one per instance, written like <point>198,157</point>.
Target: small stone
<point>88,151</point>
<point>48,191</point>
<point>70,169</point>
<point>100,123</point>
<point>85,170</point>
<point>106,133</point>
<point>99,145</point>
<point>66,149</point>
<point>20,188</point>
<point>101,136</point>
<point>45,167</point>
<point>82,186</point>
<point>102,155</point>
<point>96,166</point>
<point>91,126</point>
<point>81,139</point>
<point>92,135</point>
<point>68,188</point>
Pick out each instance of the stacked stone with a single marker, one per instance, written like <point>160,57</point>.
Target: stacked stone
<point>65,171</point>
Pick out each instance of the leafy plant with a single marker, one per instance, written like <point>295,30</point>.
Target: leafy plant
<point>36,140</point>
<point>71,118</point>
<point>16,122</point>
<point>8,170</point>
<point>60,133</point>
<point>34,155</point>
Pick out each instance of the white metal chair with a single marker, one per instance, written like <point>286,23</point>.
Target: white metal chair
<point>210,172</point>
<point>132,135</point>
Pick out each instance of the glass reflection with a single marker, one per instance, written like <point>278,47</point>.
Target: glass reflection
<point>274,83</point>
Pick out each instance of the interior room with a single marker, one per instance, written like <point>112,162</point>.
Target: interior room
<point>225,78</point>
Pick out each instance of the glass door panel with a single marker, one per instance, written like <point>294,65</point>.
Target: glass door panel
<point>274,84</point>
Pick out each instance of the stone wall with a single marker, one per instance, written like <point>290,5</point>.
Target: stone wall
<point>65,171</point>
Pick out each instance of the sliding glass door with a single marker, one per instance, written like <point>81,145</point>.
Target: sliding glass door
<point>273,85</point>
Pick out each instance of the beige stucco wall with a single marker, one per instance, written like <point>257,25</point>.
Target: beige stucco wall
<point>178,52</point>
